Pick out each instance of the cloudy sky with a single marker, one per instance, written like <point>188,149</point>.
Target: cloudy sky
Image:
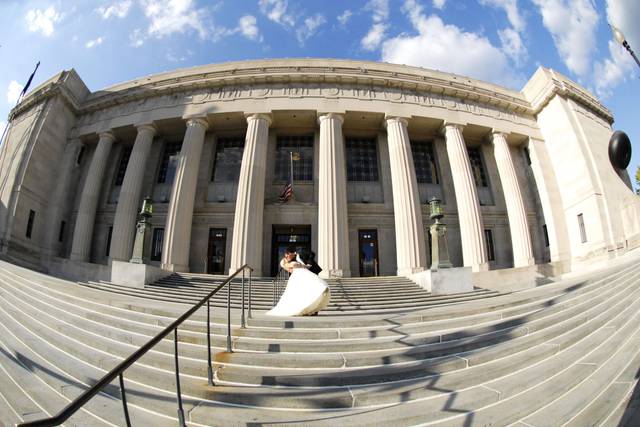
<point>500,41</point>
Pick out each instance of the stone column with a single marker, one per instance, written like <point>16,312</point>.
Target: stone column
<point>520,238</point>
<point>474,251</point>
<point>333,230</point>
<point>124,224</point>
<point>58,201</point>
<point>177,232</point>
<point>410,243</point>
<point>246,246</point>
<point>83,232</point>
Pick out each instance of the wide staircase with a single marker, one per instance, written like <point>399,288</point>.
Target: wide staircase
<point>349,295</point>
<point>567,353</point>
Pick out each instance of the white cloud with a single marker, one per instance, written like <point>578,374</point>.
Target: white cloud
<point>311,25</point>
<point>439,4</point>
<point>43,21</point>
<point>136,38</point>
<point>512,45</point>
<point>276,11</point>
<point>511,9</point>
<point>93,43</point>
<point>572,25</point>
<point>119,9</point>
<point>435,43</point>
<point>248,28</point>
<point>374,37</point>
<point>379,16</point>
<point>344,18</point>
<point>13,92</point>
<point>611,71</point>
<point>174,16</point>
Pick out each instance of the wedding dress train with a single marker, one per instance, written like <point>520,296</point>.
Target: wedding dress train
<point>305,294</point>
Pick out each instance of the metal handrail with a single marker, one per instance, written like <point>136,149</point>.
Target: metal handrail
<point>278,284</point>
<point>118,371</point>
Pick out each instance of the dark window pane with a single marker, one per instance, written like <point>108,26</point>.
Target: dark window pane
<point>109,233</point>
<point>63,224</point>
<point>171,149</point>
<point>362,159</point>
<point>156,244</point>
<point>228,160</point>
<point>424,162</point>
<point>122,168</point>
<point>32,217</point>
<point>477,167</point>
<point>583,231</point>
<point>488,237</point>
<point>546,235</point>
<point>80,155</point>
<point>302,149</point>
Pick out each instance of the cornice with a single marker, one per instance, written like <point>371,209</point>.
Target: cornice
<point>45,91</point>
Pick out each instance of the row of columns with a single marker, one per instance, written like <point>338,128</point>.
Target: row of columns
<point>333,240</point>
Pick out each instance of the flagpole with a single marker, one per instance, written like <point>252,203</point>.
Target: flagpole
<point>291,163</point>
<point>22,93</point>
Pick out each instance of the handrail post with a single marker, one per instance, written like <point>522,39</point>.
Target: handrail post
<point>178,392</point>
<point>229,317</point>
<point>124,401</point>
<point>249,312</point>
<point>209,368</point>
<point>242,323</point>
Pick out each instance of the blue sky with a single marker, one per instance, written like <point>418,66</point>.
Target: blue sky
<point>501,41</point>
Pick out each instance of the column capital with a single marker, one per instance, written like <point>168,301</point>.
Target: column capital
<point>259,116</point>
<point>331,115</point>
<point>497,132</point>
<point>399,119</point>
<point>108,134</point>
<point>146,126</point>
<point>452,125</point>
<point>197,121</point>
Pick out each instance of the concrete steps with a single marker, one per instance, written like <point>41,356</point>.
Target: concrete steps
<point>565,353</point>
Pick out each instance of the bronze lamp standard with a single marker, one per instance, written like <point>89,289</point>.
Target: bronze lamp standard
<point>619,37</point>
<point>439,248</point>
<point>142,233</point>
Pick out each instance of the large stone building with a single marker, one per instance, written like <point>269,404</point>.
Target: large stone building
<point>524,176</point>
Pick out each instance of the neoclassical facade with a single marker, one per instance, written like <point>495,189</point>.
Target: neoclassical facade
<point>524,176</point>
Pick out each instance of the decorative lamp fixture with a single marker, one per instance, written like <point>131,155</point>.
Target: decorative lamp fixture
<point>620,38</point>
<point>435,206</point>
<point>140,244</point>
<point>147,207</point>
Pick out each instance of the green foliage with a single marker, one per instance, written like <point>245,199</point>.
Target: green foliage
<point>638,180</point>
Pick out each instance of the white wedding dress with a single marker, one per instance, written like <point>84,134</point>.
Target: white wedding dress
<point>305,294</point>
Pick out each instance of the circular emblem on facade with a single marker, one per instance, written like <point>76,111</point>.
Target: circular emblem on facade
<point>331,91</point>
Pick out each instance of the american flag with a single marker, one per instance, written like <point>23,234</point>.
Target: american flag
<point>287,193</point>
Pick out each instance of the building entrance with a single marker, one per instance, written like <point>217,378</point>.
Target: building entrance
<point>368,242</point>
<point>284,236</point>
<point>216,251</point>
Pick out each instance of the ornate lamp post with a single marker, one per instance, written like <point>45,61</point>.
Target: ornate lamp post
<point>142,233</point>
<point>619,37</point>
<point>439,248</point>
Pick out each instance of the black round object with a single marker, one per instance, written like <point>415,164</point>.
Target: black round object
<point>619,150</point>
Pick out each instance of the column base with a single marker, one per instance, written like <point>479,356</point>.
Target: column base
<point>176,268</point>
<point>528,262</point>
<point>328,274</point>
<point>476,268</point>
<point>78,258</point>
<point>407,272</point>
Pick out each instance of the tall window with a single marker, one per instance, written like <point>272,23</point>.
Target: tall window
<point>362,159</point>
<point>156,244</point>
<point>228,160</point>
<point>108,249</point>
<point>122,167</point>
<point>546,235</point>
<point>167,167</point>
<point>63,225</point>
<point>583,231</point>
<point>424,162</point>
<point>302,149</point>
<point>488,237</point>
<point>477,167</point>
<point>32,217</point>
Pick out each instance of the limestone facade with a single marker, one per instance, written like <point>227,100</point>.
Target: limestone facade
<point>524,176</point>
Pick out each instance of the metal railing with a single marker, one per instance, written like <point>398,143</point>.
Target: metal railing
<point>279,284</point>
<point>118,371</point>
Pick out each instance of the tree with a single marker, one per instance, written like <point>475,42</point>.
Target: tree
<point>638,180</point>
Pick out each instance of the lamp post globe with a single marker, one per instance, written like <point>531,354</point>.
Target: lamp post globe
<point>621,39</point>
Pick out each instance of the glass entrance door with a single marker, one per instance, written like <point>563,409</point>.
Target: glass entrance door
<point>368,242</point>
<point>298,236</point>
<point>217,249</point>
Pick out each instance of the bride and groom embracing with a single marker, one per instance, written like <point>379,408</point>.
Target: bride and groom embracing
<point>306,294</point>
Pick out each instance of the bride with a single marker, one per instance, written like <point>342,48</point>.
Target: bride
<point>305,294</point>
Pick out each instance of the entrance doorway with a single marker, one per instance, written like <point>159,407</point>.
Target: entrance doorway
<point>368,243</point>
<point>217,250</point>
<point>298,236</point>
